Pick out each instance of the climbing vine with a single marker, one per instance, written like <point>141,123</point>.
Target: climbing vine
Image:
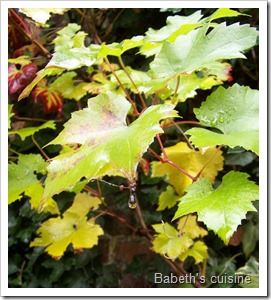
<point>100,126</point>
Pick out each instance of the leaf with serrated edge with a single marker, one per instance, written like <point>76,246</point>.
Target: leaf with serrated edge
<point>196,50</point>
<point>191,161</point>
<point>222,209</point>
<point>109,146</point>
<point>167,199</point>
<point>198,251</point>
<point>57,233</point>
<point>235,112</point>
<point>168,242</point>
<point>27,131</point>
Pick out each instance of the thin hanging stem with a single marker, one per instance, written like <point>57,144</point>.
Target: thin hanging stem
<point>207,162</point>
<point>184,135</point>
<point>91,191</point>
<point>133,83</point>
<point>41,150</point>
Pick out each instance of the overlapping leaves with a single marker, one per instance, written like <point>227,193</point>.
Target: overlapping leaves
<point>105,138</point>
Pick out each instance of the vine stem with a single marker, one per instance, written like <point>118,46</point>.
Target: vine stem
<point>23,29</point>
<point>40,149</point>
<point>121,85</point>
<point>165,159</point>
<point>133,83</point>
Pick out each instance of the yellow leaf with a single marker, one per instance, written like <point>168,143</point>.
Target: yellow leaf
<point>167,199</point>
<point>57,233</point>
<point>168,242</point>
<point>188,225</point>
<point>199,251</point>
<point>192,162</point>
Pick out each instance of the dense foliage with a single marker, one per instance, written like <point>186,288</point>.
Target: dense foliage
<point>133,147</point>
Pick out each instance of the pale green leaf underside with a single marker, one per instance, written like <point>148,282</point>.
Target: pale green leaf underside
<point>109,146</point>
<point>222,209</point>
<point>235,112</point>
<point>27,131</point>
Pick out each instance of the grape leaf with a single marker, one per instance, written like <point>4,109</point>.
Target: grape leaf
<point>73,227</point>
<point>51,100</point>
<point>173,243</point>
<point>199,50</point>
<point>223,13</point>
<point>40,75</point>
<point>235,112</point>
<point>42,15</point>
<point>167,199</point>
<point>222,209</point>
<point>65,85</point>
<point>18,79</point>
<point>191,161</point>
<point>109,146</point>
<point>22,179</point>
<point>198,250</point>
<point>27,131</point>
<point>168,242</point>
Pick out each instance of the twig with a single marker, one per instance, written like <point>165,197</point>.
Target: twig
<point>41,150</point>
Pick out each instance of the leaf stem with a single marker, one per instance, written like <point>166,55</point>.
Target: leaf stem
<point>40,149</point>
<point>133,83</point>
<point>121,85</point>
<point>184,135</point>
<point>165,159</point>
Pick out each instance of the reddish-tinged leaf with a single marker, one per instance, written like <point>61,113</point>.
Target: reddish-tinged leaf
<point>19,79</point>
<point>29,50</point>
<point>52,101</point>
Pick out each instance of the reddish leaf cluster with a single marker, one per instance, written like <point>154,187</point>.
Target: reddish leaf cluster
<point>18,79</point>
<point>51,100</point>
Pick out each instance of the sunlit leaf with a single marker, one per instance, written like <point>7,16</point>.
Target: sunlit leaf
<point>198,50</point>
<point>199,251</point>
<point>192,162</point>
<point>101,129</point>
<point>66,86</point>
<point>188,225</point>
<point>27,131</point>
<point>72,228</point>
<point>235,112</point>
<point>42,15</point>
<point>167,199</point>
<point>22,179</point>
<point>222,209</point>
<point>223,13</point>
<point>168,242</point>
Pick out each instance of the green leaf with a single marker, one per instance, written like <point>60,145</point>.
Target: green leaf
<point>167,199</point>
<point>117,49</point>
<point>42,15</point>
<point>74,58</point>
<point>196,50</point>
<point>65,85</point>
<point>73,227</point>
<point>222,209</point>
<point>21,60</point>
<point>10,115</point>
<point>235,112</point>
<point>109,146</point>
<point>224,13</point>
<point>22,179</point>
<point>27,131</point>
<point>251,271</point>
